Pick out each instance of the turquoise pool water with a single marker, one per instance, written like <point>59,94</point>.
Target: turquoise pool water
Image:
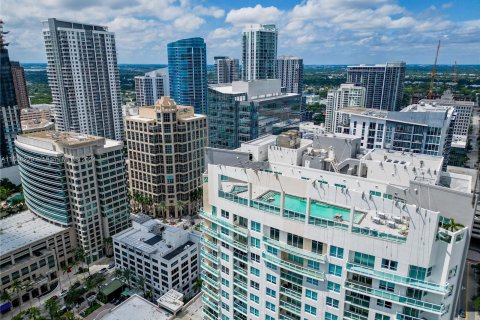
<point>317,209</point>
<point>15,197</point>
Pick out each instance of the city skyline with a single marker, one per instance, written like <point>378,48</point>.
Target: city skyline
<point>320,31</point>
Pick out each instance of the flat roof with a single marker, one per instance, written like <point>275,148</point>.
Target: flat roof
<point>374,113</point>
<point>22,229</point>
<point>135,308</point>
<point>112,287</point>
<point>61,137</point>
<point>172,301</point>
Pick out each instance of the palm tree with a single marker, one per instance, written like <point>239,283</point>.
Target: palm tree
<point>6,296</point>
<point>148,201</point>
<point>33,313</point>
<point>17,286</point>
<point>140,284</point>
<point>65,270</point>
<point>52,308</point>
<point>129,277</point>
<point>197,285</point>
<point>81,257</point>
<point>451,225</point>
<point>162,207</point>
<point>180,206</point>
<point>69,315</point>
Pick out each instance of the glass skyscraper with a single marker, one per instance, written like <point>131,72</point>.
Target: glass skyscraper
<point>187,68</point>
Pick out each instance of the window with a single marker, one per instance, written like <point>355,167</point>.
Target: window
<point>379,316</point>
<point>364,259</point>
<point>255,226</point>
<point>332,286</point>
<point>225,306</point>
<point>389,264</point>
<point>254,257</point>
<point>385,285</point>
<point>274,234</point>
<point>271,279</point>
<point>270,265</point>
<point>335,270</point>
<point>255,271</point>
<point>272,293</point>
<point>225,214</point>
<point>310,309</point>
<point>225,270</point>
<point>383,303</point>
<point>225,282</point>
<point>254,311</point>
<point>225,294</point>
<point>419,273</point>
<point>267,317</point>
<point>332,302</point>
<point>270,306</point>
<point>272,250</point>
<point>311,294</point>
<point>295,258</point>
<point>336,252</point>
<point>317,247</point>
<point>225,256</point>
<point>312,281</point>
<point>254,242</point>
<point>329,316</point>
<point>254,285</point>
<point>314,265</point>
<point>452,272</point>
<point>254,298</point>
<point>294,240</point>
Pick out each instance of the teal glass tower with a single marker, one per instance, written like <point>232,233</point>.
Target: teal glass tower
<point>187,68</point>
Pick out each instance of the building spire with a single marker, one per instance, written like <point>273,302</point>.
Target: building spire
<point>3,44</point>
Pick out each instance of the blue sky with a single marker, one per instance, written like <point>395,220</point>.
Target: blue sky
<point>320,31</point>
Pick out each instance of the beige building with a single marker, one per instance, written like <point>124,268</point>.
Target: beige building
<point>165,154</point>
<point>33,252</point>
<point>40,113</point>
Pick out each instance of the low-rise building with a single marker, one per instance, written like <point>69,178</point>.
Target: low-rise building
<point>166,257</point>
<point>32,254</point>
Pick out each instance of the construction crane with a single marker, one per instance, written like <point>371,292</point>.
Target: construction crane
<point>455,70</point>
<point>434,71</point>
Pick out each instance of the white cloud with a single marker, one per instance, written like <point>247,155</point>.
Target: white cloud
<point>223,33</point>
<point>253,15</point>
<point>188,22</point>
<point>209,11</point>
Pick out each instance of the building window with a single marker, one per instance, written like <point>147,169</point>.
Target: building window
<point>314,265</point>
<point>389,264</point>
<point>272,250</point>
<point>254,257</point>
<point>419,273</point>
<point>255,271</point>
<point>310,309</point>
<point>225,282</point>
<point>272,293</point>
<point>317,247</point>
<point>336,252</point>
<point>385,285</point>
<point>332,302</point>
<point>271,279</point>
<point>315,282</point>
<point>225,257</point>
<point>270,306</point>
<point>329,316</point>
<point>294,240</point>
<point>225,214</point>
<point>254,285</point>
<point>274,234</point>
<point>383,303</point>
<point>311,294</point>
<point>254,311</point>
<point>379,316</point>
<point>364,259</point>
<point>335,270</point>
<point>332,286</point>
<point>255,242</point>
<point>254,298</point>
<point>255,226</point>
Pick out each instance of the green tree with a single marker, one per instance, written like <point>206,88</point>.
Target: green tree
<point>197,285</point>
<point>17,287</point>
<point>140,284</point>
<point>81,257</point>
<point>162,207</point>
<point>181,205</point>
<point>452,225</point>
<point>65,271</point>
<point>69,315</point>
<point>128,276</point>
<point>6,296</point>
<point>52,308</point>
<point>33,313</point>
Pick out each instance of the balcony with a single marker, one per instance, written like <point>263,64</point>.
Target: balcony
<point>224,223</point>
<point>240,295</point>
<point>401,316</point>
<point>291,293</point>
<point>210,269</point>
<point>290,307</point>
<point>414,283</point>
<point>209,303</point>
<point>353,316</point>
<point>210,293</point>
<point>358,302</point>
<point>208,256</point>
<point>294,267</point>
<point>210,281</point>
<point>296,251</point>
<point>239,308</point>
<point>209,244</point>
<point>240,270</point>
<point>239,282</point>
<point>395,298</point>
<point>208,314</point>
<point>236,244</point>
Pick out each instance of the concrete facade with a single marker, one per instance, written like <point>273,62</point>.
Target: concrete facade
<point>151,87</point>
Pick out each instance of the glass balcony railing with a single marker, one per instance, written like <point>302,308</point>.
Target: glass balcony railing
<point>236,244</point>
<point>240,283</point>
<point>233,197</point>
<point>210,293</point>
<point>240,257</point>
<point>378,234</point>
<point>297,251</point>
<point>395,298</point>
<point>214,283</point>
<point>401,316</point>
<point>357,301</point>
<point>210,269</point>
<point>290,307</point>
<point>294,267</point>
<point>240,270</point>
<point>208,256</point>
<point>209,303</point>
<point>209,244</point>
<point>291,293</point>
<point>240,308</point>
<point>208,315</point>
<point>423,285</point>
<point>240,295</point>
<point>353,316</point>
<point>224,223</point>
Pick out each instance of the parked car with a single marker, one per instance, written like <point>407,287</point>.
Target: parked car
<point>63,293</point>
<point>461,313</point>
<point>103,270</point>
<point>111,265</point>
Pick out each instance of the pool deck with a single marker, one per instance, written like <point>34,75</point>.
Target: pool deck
<point>366,222</point>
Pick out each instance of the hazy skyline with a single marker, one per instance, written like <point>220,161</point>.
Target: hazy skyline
<point>320,31</point>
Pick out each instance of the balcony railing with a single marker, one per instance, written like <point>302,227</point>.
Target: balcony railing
<point>411,282</point>
<point>290,307</point>
<point>236,244</point>
<point>209,256</point>
<point>209,244</point>
<point>297,251</point>
<point>224,223</point>
<point>291,293</point>
<point>401,316</point>
<point>209,303</point>
<point>209,280</point>
<point>395,298</point>
<point>213,271</point>
<point>353,316</point>
<point>210,293</point>
<point>294,267</point>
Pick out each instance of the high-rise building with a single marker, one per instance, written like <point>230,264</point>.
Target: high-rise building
<point>151,87</point>
<point>348,95</point>
<point>77,180</point>
<point>84,79</point>
<point>20,84</point>
<point>187,69</point>
<point>245,110</point>
<point>285,239</point>
<point>10,124</point>
<point>167,257</point>
<point>227,69</point>
<point>165,155</point>
<point>259,52</point>
<point>290,72</point>
<point>463,109</point>
<point>383,83</point>
<point>418,128</point>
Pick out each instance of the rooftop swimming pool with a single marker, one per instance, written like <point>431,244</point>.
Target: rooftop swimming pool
<point>317,209</point>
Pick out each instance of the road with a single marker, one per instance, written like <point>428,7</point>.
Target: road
<point>64,283</point>
<point>473,154</point>
<point>469,287</point>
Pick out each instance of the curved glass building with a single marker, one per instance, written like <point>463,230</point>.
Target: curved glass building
<point>187,69</point>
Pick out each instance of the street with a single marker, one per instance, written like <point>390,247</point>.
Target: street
<point>469,287</point>
<point>473,154</point>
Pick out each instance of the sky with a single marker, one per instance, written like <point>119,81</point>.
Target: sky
<point>319,31</point>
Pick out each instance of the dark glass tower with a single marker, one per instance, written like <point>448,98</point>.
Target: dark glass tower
<point>9,115</point>
<point>187,68</point>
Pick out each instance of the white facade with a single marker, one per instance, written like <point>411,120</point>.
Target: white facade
<point>167,257</point>
<point>303,243</point>
<point>290,72</point>
<point>259,52</point>
<point>84,79</point>
<point>151,87</point>
<point>348,95</point>
<point>227,69</point>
